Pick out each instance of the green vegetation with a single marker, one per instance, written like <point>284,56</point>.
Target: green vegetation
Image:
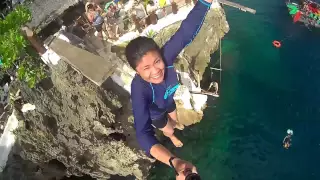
<point>15,52</point>
<point>145,3</point>
<point>151,33</point>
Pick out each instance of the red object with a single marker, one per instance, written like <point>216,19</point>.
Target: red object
<point>276,44</point>
<point>297,17</point>
<point>312,8</point>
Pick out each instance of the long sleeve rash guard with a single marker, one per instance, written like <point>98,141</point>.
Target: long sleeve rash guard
<point>144,94</point>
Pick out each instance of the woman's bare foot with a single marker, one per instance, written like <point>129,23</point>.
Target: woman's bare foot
<point>176,141</point>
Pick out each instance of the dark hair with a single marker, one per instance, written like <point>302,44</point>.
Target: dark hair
<point>90,6</point>
<point>139,47</point>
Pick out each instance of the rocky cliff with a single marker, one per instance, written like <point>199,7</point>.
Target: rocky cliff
<point>80,129</point>
<point>79,126</point>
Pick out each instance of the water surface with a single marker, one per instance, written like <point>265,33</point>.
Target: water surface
<point>264,91</point>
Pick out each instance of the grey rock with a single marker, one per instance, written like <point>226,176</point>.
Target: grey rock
<point>76,137</point>
<point>45,11</point>
<point>76,128</point>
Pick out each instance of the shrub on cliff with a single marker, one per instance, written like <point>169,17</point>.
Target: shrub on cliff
<point>15,52</point>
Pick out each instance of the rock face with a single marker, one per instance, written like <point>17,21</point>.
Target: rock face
<point>45,11</point>
<point>80,128</point>
<point>193,61</point>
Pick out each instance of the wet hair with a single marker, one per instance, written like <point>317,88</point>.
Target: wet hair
<point>139,47</point>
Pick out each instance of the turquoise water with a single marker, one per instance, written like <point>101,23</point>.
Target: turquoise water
<point>264,92</point>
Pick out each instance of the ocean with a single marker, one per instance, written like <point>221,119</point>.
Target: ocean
<point>264,91</point>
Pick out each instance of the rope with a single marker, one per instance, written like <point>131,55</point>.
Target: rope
<point>220,53</point>
<point>220,59</point>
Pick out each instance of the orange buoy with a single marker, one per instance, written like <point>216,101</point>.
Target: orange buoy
<point>276,44</point>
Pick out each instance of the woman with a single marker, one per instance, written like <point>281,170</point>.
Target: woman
<point>95,18</point>
<point>155,83</point>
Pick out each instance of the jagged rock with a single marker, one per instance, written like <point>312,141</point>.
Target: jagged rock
<point>78,128</point>
<point>194,60</point>
<point>79,125</point>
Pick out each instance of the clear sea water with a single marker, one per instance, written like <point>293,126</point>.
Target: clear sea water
<point>264,91</point>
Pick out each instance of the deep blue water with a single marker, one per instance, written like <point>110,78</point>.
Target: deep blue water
<point>264,91</point>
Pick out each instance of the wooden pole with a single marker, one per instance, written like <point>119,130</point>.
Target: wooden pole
<point>204,92</point>
<point>236,5</point>
<point>136,22</point>
<point>174,8</point>
<point>153,18</point>
<point>33,40</point>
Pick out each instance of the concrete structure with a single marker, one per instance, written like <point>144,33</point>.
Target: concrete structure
<point>94,67</point>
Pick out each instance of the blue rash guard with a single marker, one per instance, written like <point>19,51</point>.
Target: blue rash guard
<point>150,101</point>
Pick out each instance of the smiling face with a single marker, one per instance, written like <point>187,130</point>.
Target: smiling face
<point>151,67</point>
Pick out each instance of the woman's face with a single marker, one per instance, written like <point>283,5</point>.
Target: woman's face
<point>151,67</point>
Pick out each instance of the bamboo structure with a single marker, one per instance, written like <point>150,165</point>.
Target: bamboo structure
<point>238,6</point>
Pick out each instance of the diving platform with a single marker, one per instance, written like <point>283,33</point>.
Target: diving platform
<point>94,67</point>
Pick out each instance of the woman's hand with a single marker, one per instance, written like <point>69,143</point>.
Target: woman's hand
<point>183,168</point>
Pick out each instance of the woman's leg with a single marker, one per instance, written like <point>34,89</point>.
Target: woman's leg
<point>168,131</point>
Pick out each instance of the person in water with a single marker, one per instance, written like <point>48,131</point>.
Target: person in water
<point>287,140</point>
<point>154,85</point>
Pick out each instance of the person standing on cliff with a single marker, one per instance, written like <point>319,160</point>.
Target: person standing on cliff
<point>154,85</point>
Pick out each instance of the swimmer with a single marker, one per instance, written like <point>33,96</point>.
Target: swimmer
<point>287,140</point>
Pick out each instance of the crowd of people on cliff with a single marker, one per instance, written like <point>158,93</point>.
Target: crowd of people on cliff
<point>109,21</point>
<point>104,20</point>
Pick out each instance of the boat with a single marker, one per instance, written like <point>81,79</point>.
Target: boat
<point>305,11</point>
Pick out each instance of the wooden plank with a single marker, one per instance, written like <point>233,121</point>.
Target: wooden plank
<point>236,5</point>
<point>203,92</point>
<point>94,67</point>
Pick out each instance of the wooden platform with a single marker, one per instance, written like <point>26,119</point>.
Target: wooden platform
<point>95,68</point>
